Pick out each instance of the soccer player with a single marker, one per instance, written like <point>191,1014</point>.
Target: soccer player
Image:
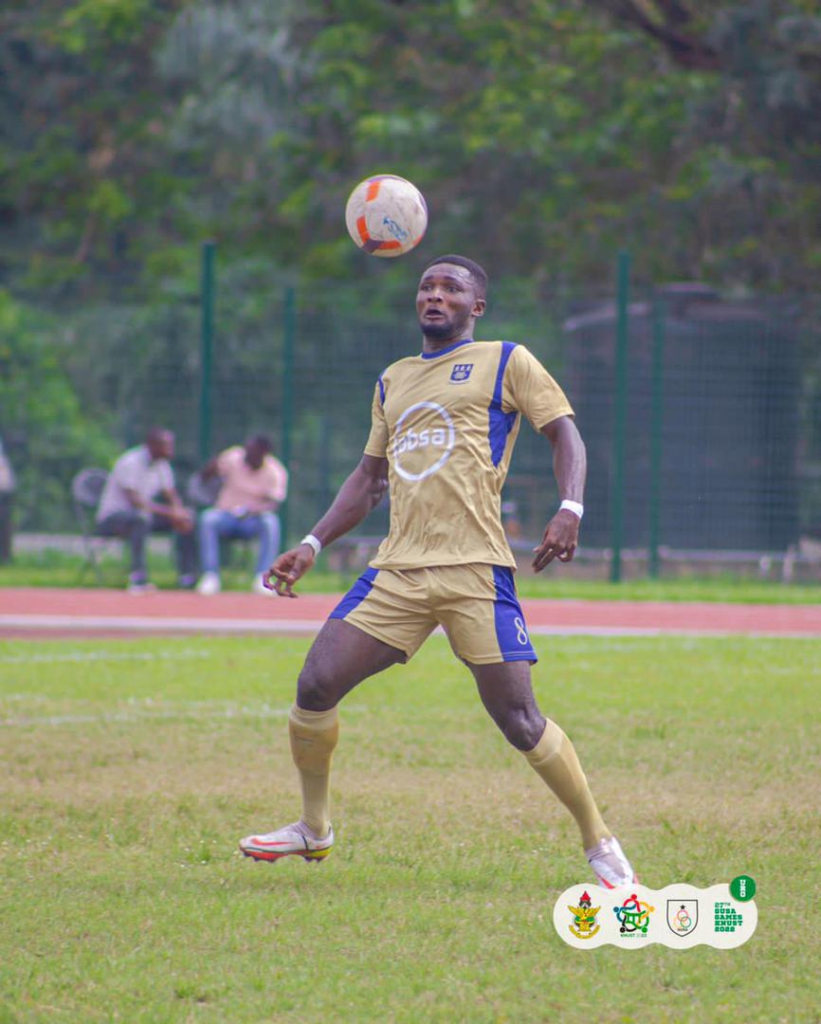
<point>443,428</point>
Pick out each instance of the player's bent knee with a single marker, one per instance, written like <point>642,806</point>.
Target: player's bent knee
<point>316,689</point>
<point>521,727</point>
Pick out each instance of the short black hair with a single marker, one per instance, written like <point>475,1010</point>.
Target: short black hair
<point>479,274</point>
<point>261,441</point>
<point>158,434</point>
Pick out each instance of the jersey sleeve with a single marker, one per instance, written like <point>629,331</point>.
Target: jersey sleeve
<point>378,438</point>
<point>529,389</point>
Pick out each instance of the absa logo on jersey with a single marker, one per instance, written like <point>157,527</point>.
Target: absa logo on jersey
<point>423,440</point>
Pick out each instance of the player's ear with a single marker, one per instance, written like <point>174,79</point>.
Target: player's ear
<point>479,307</point>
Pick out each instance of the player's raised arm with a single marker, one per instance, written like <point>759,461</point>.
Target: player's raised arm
<point>561,536</point>
<point>358,495</point>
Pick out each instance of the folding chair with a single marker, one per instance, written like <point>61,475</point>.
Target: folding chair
<point>86,488</point>
<point>202,491</point>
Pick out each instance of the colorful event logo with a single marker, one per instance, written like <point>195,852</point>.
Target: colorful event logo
<point>584,918</point>
<point>633,916</point>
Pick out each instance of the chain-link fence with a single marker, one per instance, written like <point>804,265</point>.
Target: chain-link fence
<point>721,449</point>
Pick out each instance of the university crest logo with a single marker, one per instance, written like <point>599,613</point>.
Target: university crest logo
<point>682,916</point>
<point>460,373</point>
<point>584,918</point>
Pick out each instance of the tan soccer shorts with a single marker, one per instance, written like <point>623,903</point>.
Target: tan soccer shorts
<point>475,604</point>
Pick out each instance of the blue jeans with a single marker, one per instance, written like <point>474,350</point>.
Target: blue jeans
<point>215,524</point>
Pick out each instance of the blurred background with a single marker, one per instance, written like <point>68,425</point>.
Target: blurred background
<point>639,177</point>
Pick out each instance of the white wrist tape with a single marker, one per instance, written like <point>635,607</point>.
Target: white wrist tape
<point>312,542</point>
<point>575,507</point>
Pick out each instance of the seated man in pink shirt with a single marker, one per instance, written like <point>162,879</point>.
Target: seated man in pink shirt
<point>254,484</point>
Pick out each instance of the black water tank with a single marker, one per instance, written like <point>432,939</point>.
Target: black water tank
<point>730,385</point>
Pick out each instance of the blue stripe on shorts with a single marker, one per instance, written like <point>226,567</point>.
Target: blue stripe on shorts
<point>356,595</point>
<point>511,629</point>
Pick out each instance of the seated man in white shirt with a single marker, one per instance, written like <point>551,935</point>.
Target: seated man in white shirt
<point>128,507</point>
<point>254,484</point>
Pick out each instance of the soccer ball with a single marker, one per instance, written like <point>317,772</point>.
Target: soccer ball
<point>386,215</point>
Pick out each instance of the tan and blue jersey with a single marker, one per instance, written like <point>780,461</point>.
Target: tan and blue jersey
<point>447,423</point>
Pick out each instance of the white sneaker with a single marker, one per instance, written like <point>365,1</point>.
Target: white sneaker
<point>609,864</point>
<point>258,586</point>
<point>292,840</point>
<point>209,584</point>
<point>141,588</point>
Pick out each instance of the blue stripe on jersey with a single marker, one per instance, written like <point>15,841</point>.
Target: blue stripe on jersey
<point>511,631</point>
<point>381,389</point>
<point>500,423</point>
<point>450,348</point>
<point>356,595</point>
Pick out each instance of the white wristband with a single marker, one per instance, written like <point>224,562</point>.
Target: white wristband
<point>575,507</point>
<point>312,542</point>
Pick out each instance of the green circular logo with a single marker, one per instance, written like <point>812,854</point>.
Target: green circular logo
<point>742,888</point>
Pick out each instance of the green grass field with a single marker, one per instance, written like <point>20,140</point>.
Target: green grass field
<point>131,768</point>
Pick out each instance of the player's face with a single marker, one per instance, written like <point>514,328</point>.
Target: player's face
<point>255,453</point>
<point>162,446</point>
<point>447,303</point>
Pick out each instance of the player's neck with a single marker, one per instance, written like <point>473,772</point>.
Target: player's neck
<point>431,346</point>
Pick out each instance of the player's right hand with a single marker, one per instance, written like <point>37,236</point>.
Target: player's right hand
<point>289,567</point>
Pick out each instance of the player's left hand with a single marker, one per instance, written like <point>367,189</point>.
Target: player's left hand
<point>289,567</point>
<point>561,538</point>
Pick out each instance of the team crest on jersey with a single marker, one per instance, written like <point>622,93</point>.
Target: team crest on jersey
<point>460,373</point>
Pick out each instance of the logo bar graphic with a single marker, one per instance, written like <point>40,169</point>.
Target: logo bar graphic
<point>678,916</point>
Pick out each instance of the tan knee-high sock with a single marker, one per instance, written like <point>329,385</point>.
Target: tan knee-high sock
<point>555,760</point>
<point>314,735</point>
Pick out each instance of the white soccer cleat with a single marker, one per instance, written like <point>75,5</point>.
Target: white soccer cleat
<point>209,584</point>
<point>295,840</point>
<point>609,864</point>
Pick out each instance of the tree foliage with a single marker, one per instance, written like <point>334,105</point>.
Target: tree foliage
<point>546,135</point>
<point>42,422</point>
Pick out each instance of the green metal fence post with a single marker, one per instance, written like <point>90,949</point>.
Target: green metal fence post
<point>288,345</point>
<point>620,418</point>
<point>206,349</point>
<point>656,426</point>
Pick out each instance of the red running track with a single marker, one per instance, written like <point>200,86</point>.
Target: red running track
<point>39,612</point>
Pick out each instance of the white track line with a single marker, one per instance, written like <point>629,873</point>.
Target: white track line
<point>146,716</point>
<point>197,711</point>
<point>145,624</point>
<point>80,624</point>
<point>81,656</point>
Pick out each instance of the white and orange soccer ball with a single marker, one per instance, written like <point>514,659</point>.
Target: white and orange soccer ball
<point>386,215</point>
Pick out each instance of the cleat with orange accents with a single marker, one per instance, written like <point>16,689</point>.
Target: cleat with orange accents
<point>295,840</point>
<point>609,864</point>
